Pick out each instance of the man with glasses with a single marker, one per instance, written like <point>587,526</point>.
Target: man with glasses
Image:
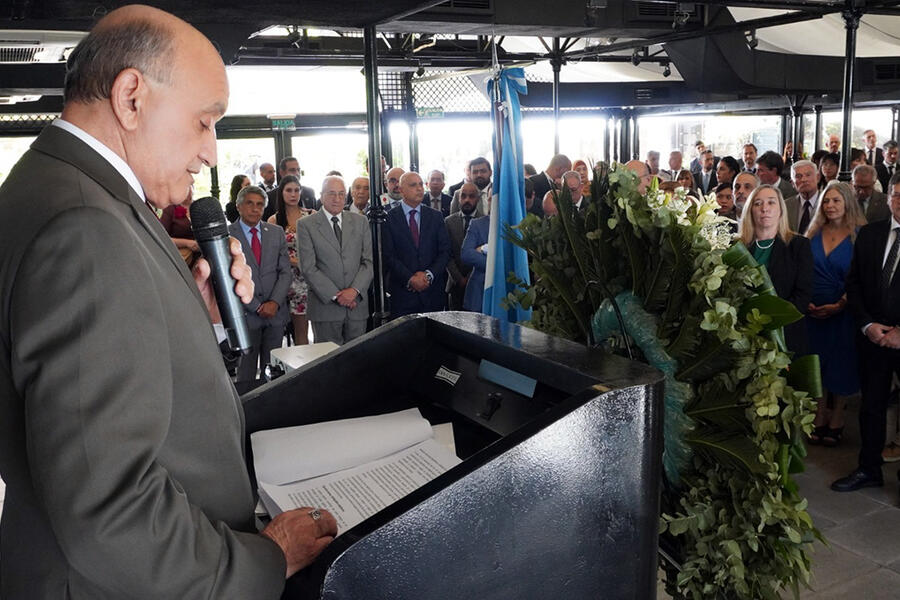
<point>873,203</point>
<point>392,197</point>
<point>335,251</point>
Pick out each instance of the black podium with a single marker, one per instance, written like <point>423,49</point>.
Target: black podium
<point>558,492</point>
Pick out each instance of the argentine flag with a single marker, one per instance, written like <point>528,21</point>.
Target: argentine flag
<point>508,201</point>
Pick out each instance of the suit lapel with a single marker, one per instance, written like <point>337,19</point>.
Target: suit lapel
<point>61,144</point>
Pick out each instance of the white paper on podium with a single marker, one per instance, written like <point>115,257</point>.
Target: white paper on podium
<point>353,495</point>
<point>289,454</point>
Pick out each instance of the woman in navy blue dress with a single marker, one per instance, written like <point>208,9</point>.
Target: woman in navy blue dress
<point>829,326</point>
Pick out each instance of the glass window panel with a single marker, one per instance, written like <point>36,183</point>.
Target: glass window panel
<point>295,90</point>
<point>724,135</point>
<point>877,119</point>
<point>318,154</point>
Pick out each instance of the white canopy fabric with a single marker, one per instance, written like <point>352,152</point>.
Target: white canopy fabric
<point>878,35</point>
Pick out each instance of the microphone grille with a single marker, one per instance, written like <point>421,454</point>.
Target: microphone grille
<point>207,219</point>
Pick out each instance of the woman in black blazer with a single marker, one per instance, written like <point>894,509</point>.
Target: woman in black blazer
<point>786,255</point>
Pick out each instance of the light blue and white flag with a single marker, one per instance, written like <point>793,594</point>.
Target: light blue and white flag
<point>508,201</point>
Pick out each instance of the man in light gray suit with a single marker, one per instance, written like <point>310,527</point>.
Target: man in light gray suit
<point>335,252</point>
<point>123,437</point>
<point>874,203</point>
<point>265,247</point>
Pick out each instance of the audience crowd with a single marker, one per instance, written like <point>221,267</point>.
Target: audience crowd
<point>830,247</point>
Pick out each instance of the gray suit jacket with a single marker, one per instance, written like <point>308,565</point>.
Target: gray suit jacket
<point>793,211</point>
<point>273,278</point>
<point>330,268</point>
<point>787,190</point>
<point>877,208</point>
<point>122,435</point>
<point>456,269</point>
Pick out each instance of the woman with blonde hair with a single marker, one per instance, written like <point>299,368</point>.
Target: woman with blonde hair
<point>785,254</point>
<point>830,328</point>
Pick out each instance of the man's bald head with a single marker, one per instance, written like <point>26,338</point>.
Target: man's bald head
<point>412,188</point>
<point>135,37</point>
<point>150,88</point>
<point>641,169</point>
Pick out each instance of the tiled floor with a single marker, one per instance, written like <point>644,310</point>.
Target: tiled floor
<point>862,558</point>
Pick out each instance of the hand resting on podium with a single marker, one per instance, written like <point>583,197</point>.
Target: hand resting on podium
<point>301,537</point>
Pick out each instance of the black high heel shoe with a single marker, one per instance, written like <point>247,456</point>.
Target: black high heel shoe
<point>815,438</point>
<point>833,437</point>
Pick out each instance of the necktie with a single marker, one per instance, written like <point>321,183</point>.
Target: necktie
<point>337,230</point>
<point>887,271</point>
<point>466,221</point>
<point>871,160</point>
<point>890,170</point>
<point>436,203</point>
<point>414,227</point>
<point>256,246</point>
<point>705,182</point>
<point>805,217</point>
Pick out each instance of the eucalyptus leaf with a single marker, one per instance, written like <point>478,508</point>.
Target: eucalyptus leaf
<point>779,310</point>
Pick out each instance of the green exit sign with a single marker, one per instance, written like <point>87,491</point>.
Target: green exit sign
<point>429,112</point>
<point>283,124</point>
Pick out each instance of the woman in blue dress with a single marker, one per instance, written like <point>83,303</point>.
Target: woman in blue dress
<point>830,327</point>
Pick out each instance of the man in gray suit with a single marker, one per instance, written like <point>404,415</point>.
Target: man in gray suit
<point>335,252</point>
<point>265,247</point>
<point>873,203</point>
<point>122,434</point>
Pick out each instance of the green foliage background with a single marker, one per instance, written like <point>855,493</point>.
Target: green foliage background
<point>731,514</point>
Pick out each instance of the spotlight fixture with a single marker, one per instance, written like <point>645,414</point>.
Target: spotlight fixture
<point>420,71</point>
<point>751,39</point>
<point>666,70</point>
<point>636,57</point>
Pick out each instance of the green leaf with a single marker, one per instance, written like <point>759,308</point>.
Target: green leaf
<point>805,375</point>
<point>735,449</point>
<point>779,310</point>
<point>714,357</point>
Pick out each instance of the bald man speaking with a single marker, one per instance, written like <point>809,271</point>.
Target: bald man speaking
<point>122,435</point>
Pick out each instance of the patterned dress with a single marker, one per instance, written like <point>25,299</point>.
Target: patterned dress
<point>299,288</point>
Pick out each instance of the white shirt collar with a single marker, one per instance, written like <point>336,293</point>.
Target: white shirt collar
<point>100,148</point>
<point>328,216</point>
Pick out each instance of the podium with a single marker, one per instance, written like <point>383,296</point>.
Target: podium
<point>558,492</point>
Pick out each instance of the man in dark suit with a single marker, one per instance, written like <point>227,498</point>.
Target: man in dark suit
<point>873,203</point>
<point>748,154</point>
<point>769,166</point>
<point>265,247</point>
<point>705,180</point>
<point>289,166</point>
<point>266,177</point>
<point>572,180</point>
<point>416,251</point>
<point>435,196</point>
<point>122,434</point>
<point>874,155</point>
<point>457,226</point>
<point>335,251</point>
<point>873,293</point>
<point>802,207</point>
<point>548,179</point>
<point>888,166</point>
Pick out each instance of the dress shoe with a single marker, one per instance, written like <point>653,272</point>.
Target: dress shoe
<point>857,480</point>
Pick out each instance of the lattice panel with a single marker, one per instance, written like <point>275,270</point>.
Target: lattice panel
<point>455,93</point>
<point>22,122</point>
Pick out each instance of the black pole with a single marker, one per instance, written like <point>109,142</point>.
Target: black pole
<point>606,153</point>
<point>214,182</point>
<point>377,214</point>
<point>412,121</point>
<point>851,24</point>
<point>635,138</point>
<point>797,137</point>
<point>556,62</point>
<point>785,126</point>
<point>817,142</point>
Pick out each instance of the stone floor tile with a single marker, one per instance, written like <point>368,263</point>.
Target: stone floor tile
<point>874,535</point>
<point>881,584</point>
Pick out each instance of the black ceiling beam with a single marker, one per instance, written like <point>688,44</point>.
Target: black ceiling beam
<point>410,11</point>
<point>805,5</point>
<point>700,32</point>
<point>46,79</point>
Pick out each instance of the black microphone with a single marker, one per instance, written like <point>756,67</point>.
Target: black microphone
<point>211,232</point>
